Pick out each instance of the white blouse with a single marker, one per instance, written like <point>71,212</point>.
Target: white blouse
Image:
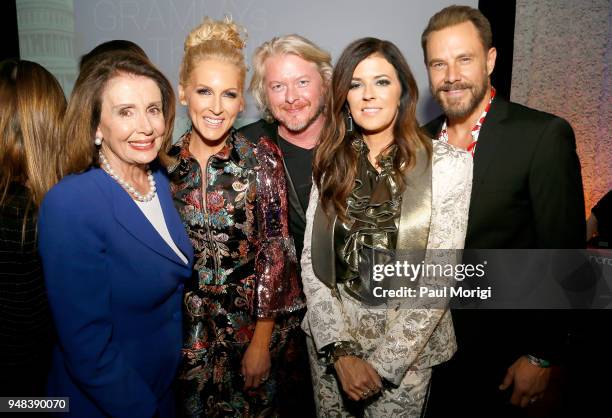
<point>153,211</point>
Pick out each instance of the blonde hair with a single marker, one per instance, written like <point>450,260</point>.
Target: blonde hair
<point>288,44</point>
<point>221,40</point>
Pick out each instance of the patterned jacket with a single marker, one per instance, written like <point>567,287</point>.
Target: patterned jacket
<point>239,226</point>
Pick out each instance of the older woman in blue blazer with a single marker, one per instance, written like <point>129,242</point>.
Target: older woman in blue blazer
<point>115,254</point>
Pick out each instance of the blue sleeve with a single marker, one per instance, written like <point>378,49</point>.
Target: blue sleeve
<point>72,245</point>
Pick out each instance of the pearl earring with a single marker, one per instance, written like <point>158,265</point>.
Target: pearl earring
<point>98,141</point>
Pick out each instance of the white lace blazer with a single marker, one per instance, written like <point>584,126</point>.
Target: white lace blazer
<point>394,341</point>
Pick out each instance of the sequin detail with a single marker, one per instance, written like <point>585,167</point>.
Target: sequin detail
<point>245,269</point>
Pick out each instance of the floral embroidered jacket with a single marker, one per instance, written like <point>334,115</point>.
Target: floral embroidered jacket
<point>239,226</point>
<point>235,213</point>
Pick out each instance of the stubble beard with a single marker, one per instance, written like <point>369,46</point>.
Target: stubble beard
<point>301,126</point>
<point>456,109</point>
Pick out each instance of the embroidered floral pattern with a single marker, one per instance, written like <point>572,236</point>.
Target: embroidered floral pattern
<point>236,218</point>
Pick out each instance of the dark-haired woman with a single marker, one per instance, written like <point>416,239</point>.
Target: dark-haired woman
<point>380,185</point>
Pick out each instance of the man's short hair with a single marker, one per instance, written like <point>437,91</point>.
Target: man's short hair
<point>111,46</point>
<point>288,44</point>
<point>454,15</point>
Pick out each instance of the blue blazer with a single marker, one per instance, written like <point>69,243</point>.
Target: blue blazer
<point>115,290</point>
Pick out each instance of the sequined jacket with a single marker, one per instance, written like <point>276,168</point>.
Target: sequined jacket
<point>239,228</point>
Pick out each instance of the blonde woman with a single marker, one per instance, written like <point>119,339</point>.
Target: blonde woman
<point>231,195</point>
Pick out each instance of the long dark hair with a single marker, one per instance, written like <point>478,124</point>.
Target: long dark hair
<point>334,166</point>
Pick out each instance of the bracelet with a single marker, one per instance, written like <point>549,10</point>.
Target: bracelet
<point>341,349</point>
<point>544,364</point>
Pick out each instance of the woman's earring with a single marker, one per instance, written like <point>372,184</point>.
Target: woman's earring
<point>98,141</point>
<point>349,121</point>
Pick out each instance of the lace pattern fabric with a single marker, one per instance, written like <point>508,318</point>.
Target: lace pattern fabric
<point>398,341</point>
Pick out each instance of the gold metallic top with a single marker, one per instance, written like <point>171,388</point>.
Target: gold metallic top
<point>373,211</point>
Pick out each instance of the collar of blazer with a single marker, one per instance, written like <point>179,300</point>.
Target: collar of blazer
<point>491,135</point>
<point>413,230</point>
<point>131,218</point>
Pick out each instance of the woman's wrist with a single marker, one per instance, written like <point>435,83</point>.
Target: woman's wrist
<point>260,344</point>
<point>341,349</point>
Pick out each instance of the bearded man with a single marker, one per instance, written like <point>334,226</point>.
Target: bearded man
<point>291,76</point>
<point>527,193</point>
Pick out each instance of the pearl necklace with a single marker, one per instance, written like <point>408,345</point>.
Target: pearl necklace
<point>127,186</point>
